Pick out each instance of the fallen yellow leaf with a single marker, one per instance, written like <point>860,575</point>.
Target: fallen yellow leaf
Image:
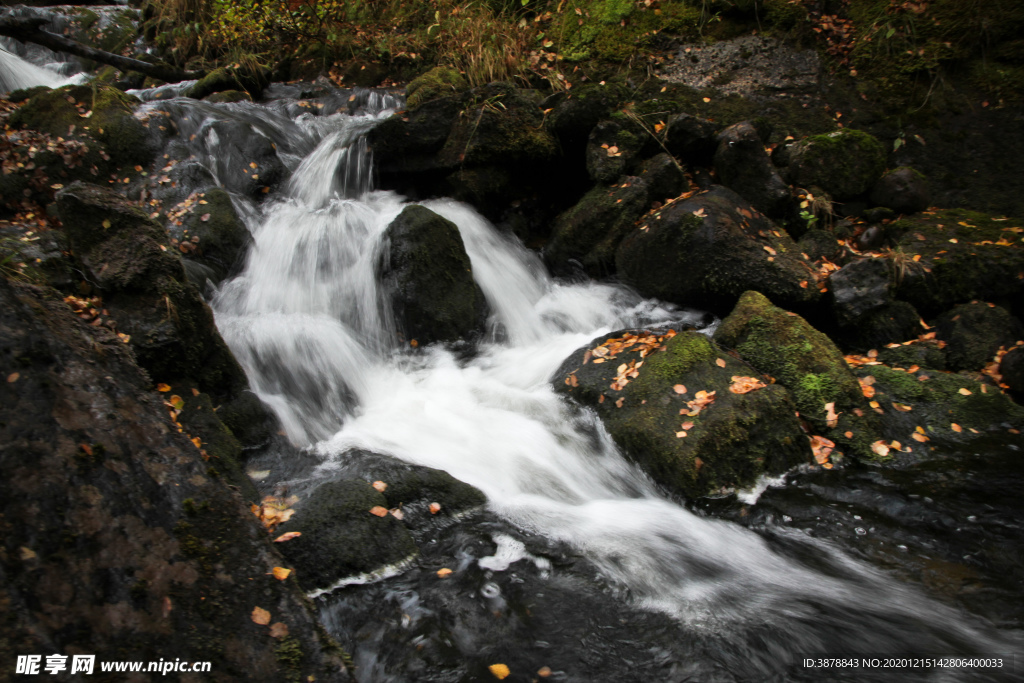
<point>443,572</point>
<point>720,362</point>
<point>260,616</point>
<point>435,508</point>
<point>287,537</point>
<point>380,486</point>
<point>966,392</point>
<point>679,389</point>
<point>280,573</point>
<point>163,387</point>
<point>378,510</point>
<point>956,428</point>
<point>500,671</point>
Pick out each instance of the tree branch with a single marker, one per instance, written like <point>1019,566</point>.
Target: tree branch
<point>29,30</point>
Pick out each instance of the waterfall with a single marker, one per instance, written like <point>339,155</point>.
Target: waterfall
<point>16,73</point>
<point>307,321</point>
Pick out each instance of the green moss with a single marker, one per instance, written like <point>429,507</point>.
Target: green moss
<point>438,82</point>
<point>289,654</point>
<point>845,163</point>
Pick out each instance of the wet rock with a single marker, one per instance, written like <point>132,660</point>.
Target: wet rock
<point>927,353</point>
<point>410,143</point>
<point>860,287</point>
<point>228,97</point>
<point>249,76</point>
<point>144,287</point>
<point>1011,367</point>
<point>341,537</point>
<point>613,146</point>
<point>441,81</point>
<point>805,361</point>
<point>973,333</point>
<point>43,253</point>
<point>709,249</point>
<point>945,405</point>
<point>691,139</point>
<point>110,120</point>
<point>238,147</point>
<point>211,235</point>
<point>33,164</point>
<point>731,441</point>
<point>591,231</point>
<point>818,243</point>
<point>744,167</point>
<point>845,163</point>
<point>665,179</point>
<point>574,113</point>
<point>960,256</point>
<point>119,537</point>
<point>903,190</point>
<point>890,323</point>
<point>428,275</point>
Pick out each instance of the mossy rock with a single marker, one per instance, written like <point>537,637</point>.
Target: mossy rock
<point>891,323</point>
<point>903,189</point>
<point>212,234</point>
<point>590,232</point>
<point>249,76</point>
<point>410,143</point>
<point>340,537</point>
<point>221,449</point>
<point>709,249</point>
<point>925,353</point>
<point>613,147</point>
<point>732,441</point>
<point>818,243</point>
<point>952,256</point>
<point>805,361</point>
<point>440,81</point>
<point>937,401</point>
<point>500,123</point>
<point>429,278</point>
<point>845,163</point>
<point>974,332</point>
<point>110,122</point>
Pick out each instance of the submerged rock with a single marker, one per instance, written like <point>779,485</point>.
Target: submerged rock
<point>341,537</point>
<point>973,333</point>
<point>845,163</point>
<point>428,275</point>
<point>119,536</point>
<point>805,361</point>
<point>744,167</point>
<point>707,250</point>
<point>643,383</point>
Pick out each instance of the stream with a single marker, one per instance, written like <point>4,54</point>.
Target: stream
<point>579,566</point>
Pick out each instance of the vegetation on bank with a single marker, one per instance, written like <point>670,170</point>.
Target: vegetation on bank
<point>896,47</point>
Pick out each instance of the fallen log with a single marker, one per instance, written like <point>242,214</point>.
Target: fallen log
<point>29,30</point>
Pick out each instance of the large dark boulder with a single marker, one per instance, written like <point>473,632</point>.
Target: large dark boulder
<point>903,190</point>
<point>691,139</point>
<point>613,146</point>
<point>891,323</point>
<point>428,276</point>
<point>574,113</point>
<point>144,288</point>
<point>805,361</point>
<point>860,287</point>
<point>709,249</point>
<point>211,235</point>
<point>643,381</point>
<point>845,163</point>
<point>1011,367</point>
<point>744,167</point>
<point>340,537</point>
<point>409,143</point>
<point>441,81</point>
<point>119,537</point>
<point>973,333</point>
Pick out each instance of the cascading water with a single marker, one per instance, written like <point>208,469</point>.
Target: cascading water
<point>307,321</point>
<point>16,73</point>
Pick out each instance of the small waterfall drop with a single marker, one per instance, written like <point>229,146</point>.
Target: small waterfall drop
<point>306,320</point>
<point>16,73</point>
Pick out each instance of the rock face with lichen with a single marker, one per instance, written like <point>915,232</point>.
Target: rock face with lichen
<point>667,402</point>
<point>119,538</point>
<point>805,361</point>
<point>707,250</point>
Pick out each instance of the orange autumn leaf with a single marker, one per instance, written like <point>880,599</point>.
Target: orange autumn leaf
<point>821,447</point>
<point>956,428</point>
<point>380,486</point>
<point>499,671</point>
<point>278,630</point>
<point>164,388</point>
<point>260,616</point>
<point>378,510</point>
<point>702,400</point>
<point>443,572</point>
<point>435,508</point>
<point>743,385</point>
<point>280,573</point>
<point>918,437</point>
<point>880,448</point>
<point>177,401</point>
<point>720,362</point>
<point>681,434</point>
<point>679,389</point>
<point>287,537</point>
<point>902,407</point>
<point>966,392</point>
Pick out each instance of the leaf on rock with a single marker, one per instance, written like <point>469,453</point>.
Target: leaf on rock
<point>720,362</point>
<point>679,389</point>
<point>916,436</point>
<point>499,671</point>
<point>380,486</point>
<point>260,616</point>
<point>443,572</point>
<point>278,630</point>
<point>163,388</point>
<point>956,428</point>
<point>378,510</point>
<point>287,537</point>
<point>435,508</point>
<point>743,385</point>
<point>280,573</point>
<point>965,391</point>
<point>880,448</point>
<point>902,407</point>
<point>177,401</point>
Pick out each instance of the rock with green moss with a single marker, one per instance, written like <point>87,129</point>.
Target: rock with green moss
<point>891,323</point>
<point>171,328</point>
<point>590,232</point>
<point>805,361</point>
<point>500,123</point>
<point>211,234</point>
<point>903,189</point>
<point>726,444</point>
<point>664,177</point>
<point>845,163</point>
<point>98,111</point>
<point>248,74</point>
<point>409,144</point>
<point>709,249</point>
<point>428,276</point>
<point>974,332</point>
<point>744,167</point>
<point>613,147</point>
<point>228,97</point>
<point>441,81</point>
<point>947,407</point>
<point>341,537</point>
<point>952,256</point>
<point>818,243</point>
<point>925,353</point>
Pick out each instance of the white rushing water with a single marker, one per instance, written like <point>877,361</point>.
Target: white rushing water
<point>16,73</point>
<point>306,320</point>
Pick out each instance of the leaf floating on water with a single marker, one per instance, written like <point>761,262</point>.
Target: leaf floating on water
<point>435,508</point>
<point>679,389</point>
<point>443,572</point>
<point>499,671</point>
<point>380,486</point>
<point>260,616</point>
<point>378,511</point>
<point>280,573</point>
<point>287,537</point>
